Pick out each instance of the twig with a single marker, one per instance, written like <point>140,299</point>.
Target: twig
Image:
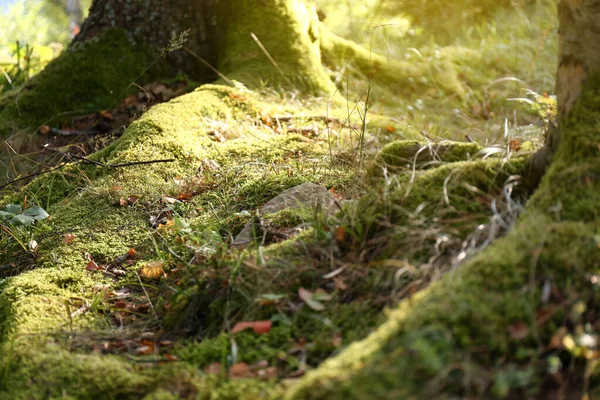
<point>101,164</point>
<point>32,175</point>
<point>148,297</point>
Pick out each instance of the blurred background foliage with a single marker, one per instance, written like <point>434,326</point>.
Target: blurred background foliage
<point>501,53</point>
<point>32,33</point>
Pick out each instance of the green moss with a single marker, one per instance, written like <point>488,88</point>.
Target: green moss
<point>84,79</point>
<point>493,302</point>
<point>85,201</point>
<point>291,38</point>
<point>409,76</point>
<point>406,154</point>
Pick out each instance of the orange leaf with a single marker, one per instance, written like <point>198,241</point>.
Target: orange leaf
<point>92,266</point>
<point>133,199</point>
<point>239,370</point>
<point>152,270</point>
<point>120,304</point>
<point>259,327</point>
<point>185,196</point>
<point>390,129</point>
<point>68,238</point>
<point>107,114</point>
<point>131,253</point>
<point>340,233</point>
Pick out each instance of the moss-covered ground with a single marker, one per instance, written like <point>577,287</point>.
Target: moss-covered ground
<point>131,288</point>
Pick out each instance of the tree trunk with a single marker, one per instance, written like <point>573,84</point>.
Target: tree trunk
<point>265,42</point>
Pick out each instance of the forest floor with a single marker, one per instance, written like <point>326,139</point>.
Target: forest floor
<point>132,286</point>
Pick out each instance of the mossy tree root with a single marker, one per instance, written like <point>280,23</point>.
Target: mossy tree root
<point>491,328</point>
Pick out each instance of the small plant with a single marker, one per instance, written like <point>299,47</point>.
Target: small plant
<point>13,215</point>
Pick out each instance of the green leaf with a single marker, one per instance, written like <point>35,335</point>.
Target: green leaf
<point>36,212</point>
<point>5,215</point>
<point>13,208</point>
<point>21,220</point>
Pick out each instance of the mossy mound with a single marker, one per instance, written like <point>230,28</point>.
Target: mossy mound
<point>88,78</point>
<point>409,154</point>
<point>109,224</point>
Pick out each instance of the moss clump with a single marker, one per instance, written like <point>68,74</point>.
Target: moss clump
<point>86,78</point>
<point>493,303</point>
<point>408,154</point>
<point>402,74</point>
<point>291,37</point>
<point>211,176</point>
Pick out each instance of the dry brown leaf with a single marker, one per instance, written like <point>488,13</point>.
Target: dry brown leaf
<point>518,330</point>
<point>213,368</point>
<point>340,233</point>
<point>68,238</point>
<point>92,266</point>
<point>133,199</point>
<point>259,327</point>
<point>239,370</point>
<point>107,114</point>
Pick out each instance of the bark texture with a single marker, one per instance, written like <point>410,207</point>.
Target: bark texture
<point>579,57</point>
<point>152,24</point>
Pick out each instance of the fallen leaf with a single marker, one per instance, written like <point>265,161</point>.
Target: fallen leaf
<point>106,114</point>
<point>239,370</point>
<point>68,238</point>
<point>340,233</point>
<point>321,295</point>
<point>307,297</point>
<point>92,266</point>
<point>514,144</point>
<point>518,330</point>
<point>170,357</point>
<point>339,283</point>
<point>259,327</point>
<point>184,196</point>
<point>152,270</point>
<point>133,199</point>
<point>131,253</point>
<point>213,368</point>
<point>390,129</point>
<point>120,304</point>
<point>143,350</point>
<point>123,202</point>
<point>169,200</point>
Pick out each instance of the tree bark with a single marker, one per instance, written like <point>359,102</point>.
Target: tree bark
<point>262,42</point>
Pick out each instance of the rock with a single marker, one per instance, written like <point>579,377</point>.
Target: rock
<point>307,195</point>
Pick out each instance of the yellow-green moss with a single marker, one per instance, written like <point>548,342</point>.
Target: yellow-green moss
<point>477,332</point>
<point>403,154</point>
<point>84,79</point>
<point>32,303</point>
<point>291,38</point>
